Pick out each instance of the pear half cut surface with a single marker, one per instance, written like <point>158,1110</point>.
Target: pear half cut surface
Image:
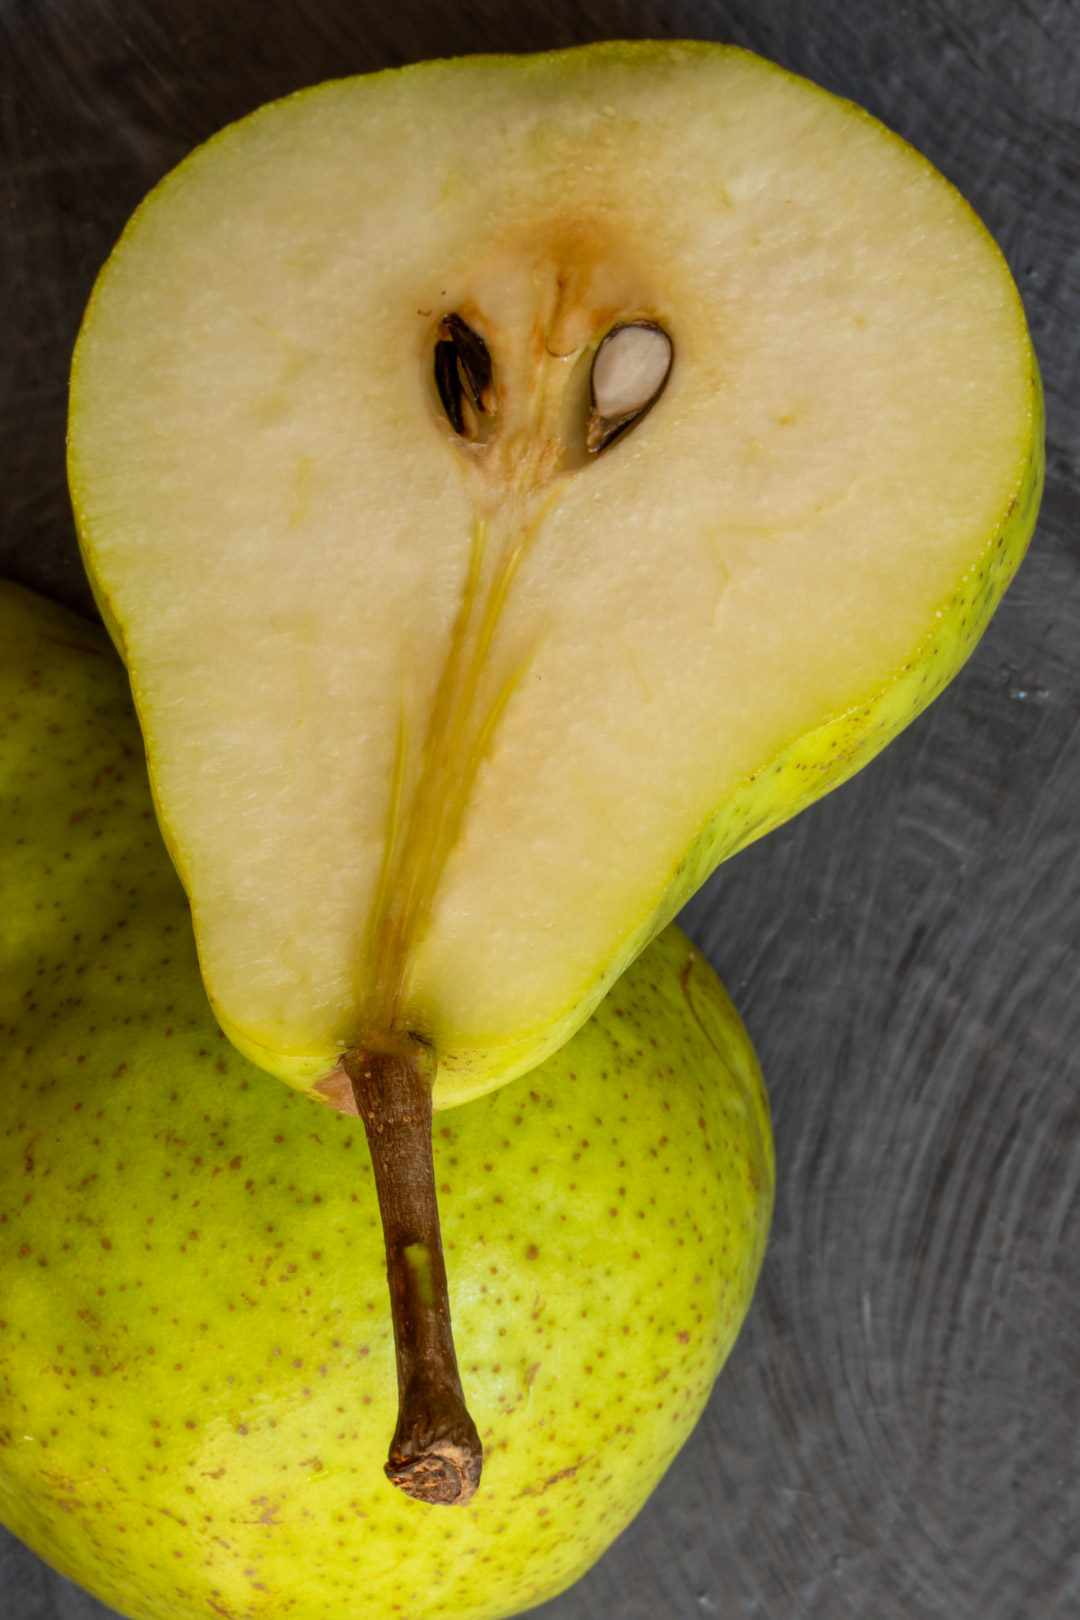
<point>454,687</point>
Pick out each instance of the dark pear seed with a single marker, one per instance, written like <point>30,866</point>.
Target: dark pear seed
<point>473,357</point>
<point>463,373</point>
<point>629,371</point>
<point>448,382</point>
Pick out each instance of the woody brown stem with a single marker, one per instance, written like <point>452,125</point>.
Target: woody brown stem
<point>435,1454</point>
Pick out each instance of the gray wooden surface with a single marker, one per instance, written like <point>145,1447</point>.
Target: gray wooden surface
<point>898,1432</point>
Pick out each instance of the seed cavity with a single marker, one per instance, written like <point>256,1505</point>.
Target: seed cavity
<point>629,372</point>
<point>463,376</point>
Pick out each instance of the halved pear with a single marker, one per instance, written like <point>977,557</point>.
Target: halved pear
<point>447,713</point>
<point>514,484</point>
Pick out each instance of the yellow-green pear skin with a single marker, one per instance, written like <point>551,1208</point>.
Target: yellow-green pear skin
<point>196,1366</point>
<point>446,715</point>
<point>843,743</point>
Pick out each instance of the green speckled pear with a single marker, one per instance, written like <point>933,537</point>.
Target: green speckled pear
<point>196,1364</point>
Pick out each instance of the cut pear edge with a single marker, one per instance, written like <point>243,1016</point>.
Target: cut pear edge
<point>798,761</point>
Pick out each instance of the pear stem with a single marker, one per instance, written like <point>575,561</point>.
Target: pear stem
<point>435,1454</point>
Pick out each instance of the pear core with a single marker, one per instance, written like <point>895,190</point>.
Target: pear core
<point>444,724</point>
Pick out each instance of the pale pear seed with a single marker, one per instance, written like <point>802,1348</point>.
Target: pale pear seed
<point>631,367</point>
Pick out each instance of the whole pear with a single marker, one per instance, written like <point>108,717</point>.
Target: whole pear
<point>196,1365</point>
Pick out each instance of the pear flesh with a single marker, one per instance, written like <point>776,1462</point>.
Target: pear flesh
<point>196,1365</point>
<point>446,717</point>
